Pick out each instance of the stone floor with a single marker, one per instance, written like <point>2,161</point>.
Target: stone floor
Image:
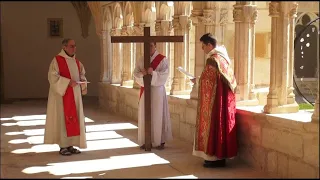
<point>112,150</point>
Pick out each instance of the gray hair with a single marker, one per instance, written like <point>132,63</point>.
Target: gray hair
<point>66,41</point>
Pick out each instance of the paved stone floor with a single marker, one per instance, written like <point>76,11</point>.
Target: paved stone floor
<point>112,150</point>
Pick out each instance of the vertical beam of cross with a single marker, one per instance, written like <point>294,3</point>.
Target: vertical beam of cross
<point>146,39</point>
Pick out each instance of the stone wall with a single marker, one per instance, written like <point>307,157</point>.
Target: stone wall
<point>282,147</point>
<point>124,101</point>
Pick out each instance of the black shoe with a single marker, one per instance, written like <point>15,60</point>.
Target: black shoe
<point>214,164</point>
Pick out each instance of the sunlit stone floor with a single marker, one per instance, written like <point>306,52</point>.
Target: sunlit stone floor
<point>112,150</point>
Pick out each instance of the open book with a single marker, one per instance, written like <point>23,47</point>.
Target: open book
<point>190,76</point>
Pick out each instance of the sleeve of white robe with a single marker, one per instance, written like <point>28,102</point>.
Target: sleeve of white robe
<point>83,78</point>
<point>160,75</point>
<point>58,83</point>
<point>137,72</point>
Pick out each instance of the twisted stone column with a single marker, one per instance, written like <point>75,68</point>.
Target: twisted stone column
<point>280,98</point>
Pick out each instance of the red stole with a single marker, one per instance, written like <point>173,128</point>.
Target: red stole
<point>154,64</point>
<point>69,104</point>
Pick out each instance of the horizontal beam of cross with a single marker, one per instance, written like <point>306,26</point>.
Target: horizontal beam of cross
<point>145,39</point>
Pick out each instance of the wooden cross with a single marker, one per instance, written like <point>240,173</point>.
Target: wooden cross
<point>146,39</point>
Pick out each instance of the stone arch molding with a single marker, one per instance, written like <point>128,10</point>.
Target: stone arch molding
<point>84,14</point>
<point>149,12</point>
<point>312,16</point>
<point>128,14</point>
<point>107,18</point>
<point>165,10</point>
<point>117,16</point>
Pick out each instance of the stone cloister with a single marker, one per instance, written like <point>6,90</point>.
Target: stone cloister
<point>274,135</point>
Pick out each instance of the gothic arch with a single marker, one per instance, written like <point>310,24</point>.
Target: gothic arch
<point>148,12</point>
<point>128,14</point>
<point>107,18</point>
<point>165,10</point>
<point>310,14</point>
<point>117,16</point>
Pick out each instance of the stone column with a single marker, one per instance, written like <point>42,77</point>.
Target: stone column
<point>116,58</point>
<point>280,98</point>
<point>106,52</point>
<point>163,28</point>
<point>138,47</point>
<point>199,55</point>
<point>245,15</point>
<point>180,54</point>
<point>223,22</point>
<point>126,79</point>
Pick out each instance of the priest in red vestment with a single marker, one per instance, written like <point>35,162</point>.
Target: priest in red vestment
<point>65,119</point>
<point>215,137</point>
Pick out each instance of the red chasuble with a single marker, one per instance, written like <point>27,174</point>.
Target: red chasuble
<point>216,125</point>
<point>69,104</point>
<point>154,64</point>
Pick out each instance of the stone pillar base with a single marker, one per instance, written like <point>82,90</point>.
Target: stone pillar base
<point>253,102</point>
<point>289,108</point>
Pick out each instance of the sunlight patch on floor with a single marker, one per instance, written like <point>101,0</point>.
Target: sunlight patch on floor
<point>32,122</point>
<point>107,127</point>
<point>92,145</point>
<point>89,128</point>
<point>89,136</point>
<point>182,177</point>
<point>88,166</point>
<point>83,177</point>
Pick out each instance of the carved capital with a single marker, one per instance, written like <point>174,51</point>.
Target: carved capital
<point>237,13</point>
<point>274,9</point>
<point>176,23</point>
<point>223,16</point>
<point>196,19</point>
<point>250,13</point>
<point>158,26</point>
<point>130,30</point>
<point>184,20</point>
<point>165,25</point>
<point>293,10</point>
<point>113,32</point>
<point>124,31</point>
<point>138,29</point>
<point>209,17</point>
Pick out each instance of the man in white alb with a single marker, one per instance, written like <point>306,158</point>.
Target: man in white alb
<point>65,119</point>
<point>160,118</point>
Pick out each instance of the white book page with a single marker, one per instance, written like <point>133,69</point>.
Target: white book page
<point>190,76</point>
